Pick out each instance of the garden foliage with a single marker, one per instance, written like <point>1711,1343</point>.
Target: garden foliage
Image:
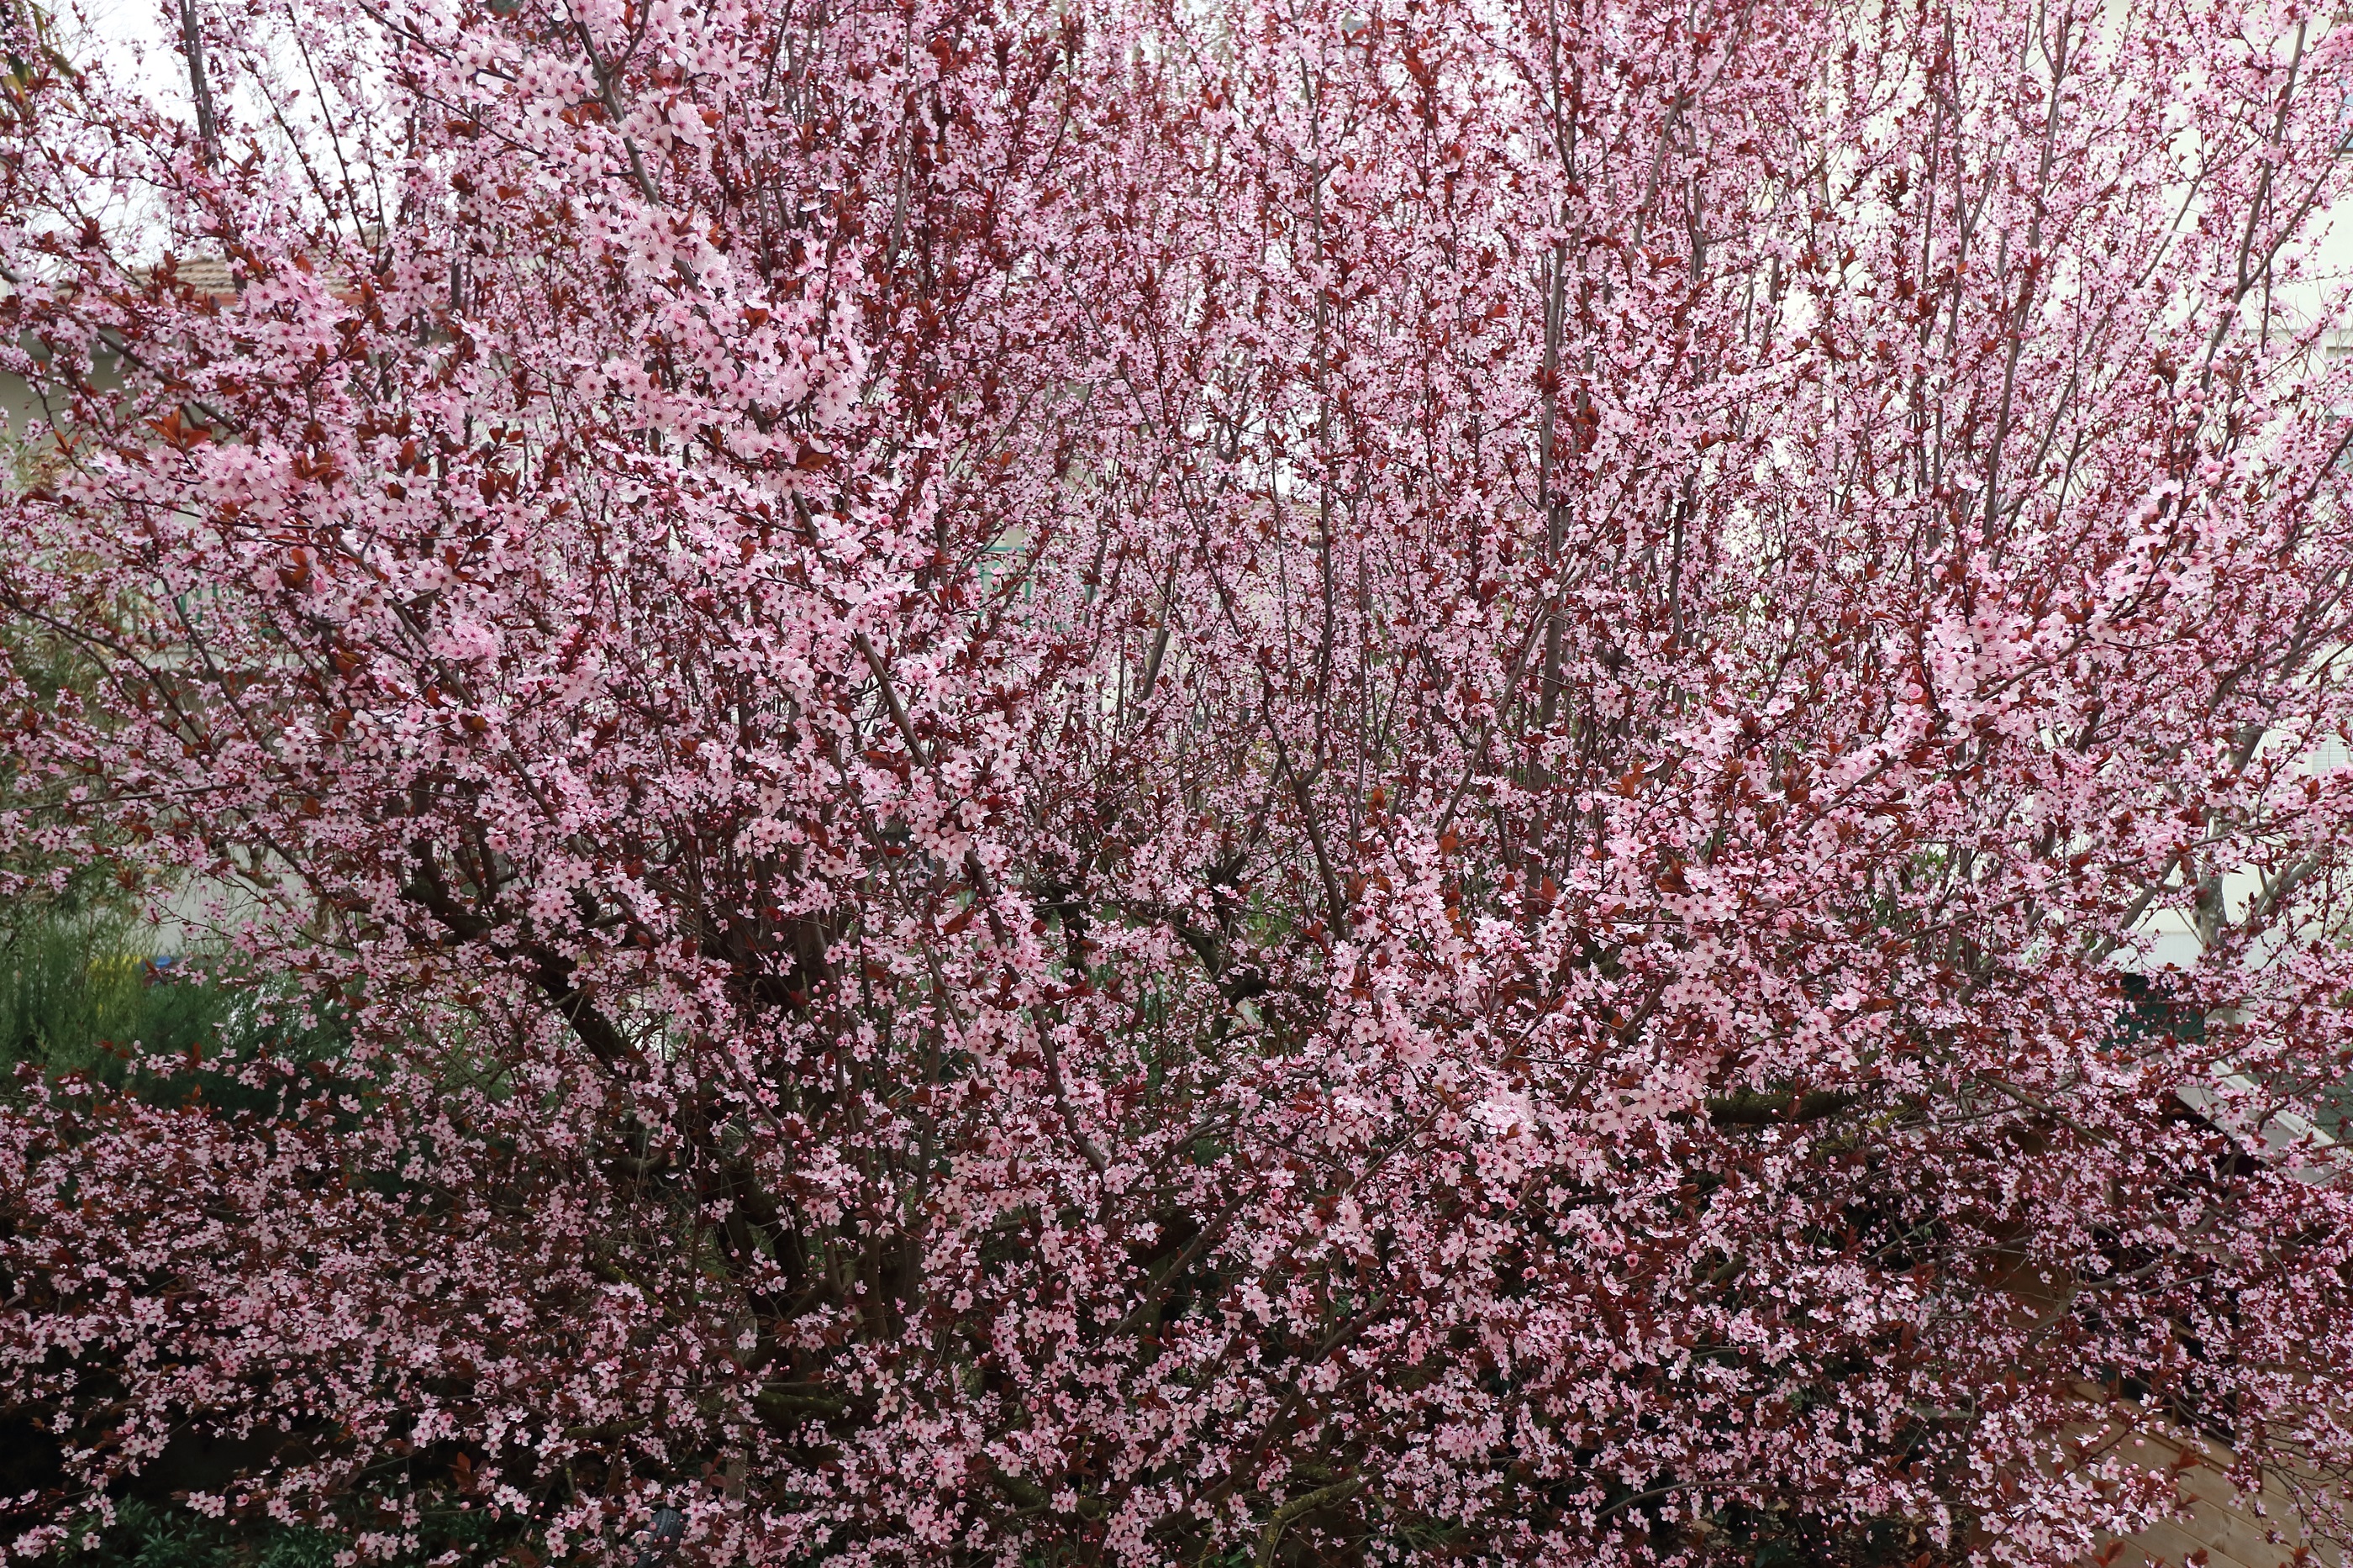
<point>1252,782</point>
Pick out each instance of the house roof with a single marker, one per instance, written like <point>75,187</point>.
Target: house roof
<point>204,274</point>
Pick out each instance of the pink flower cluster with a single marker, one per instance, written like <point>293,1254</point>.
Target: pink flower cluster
<point>1100,781</point>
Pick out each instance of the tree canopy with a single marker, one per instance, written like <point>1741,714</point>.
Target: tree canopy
<point>1115,782</point>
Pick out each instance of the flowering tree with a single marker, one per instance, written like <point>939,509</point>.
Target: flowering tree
<point>1246,784</point>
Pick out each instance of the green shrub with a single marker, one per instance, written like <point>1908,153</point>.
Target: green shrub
<point>152,1535</point>
<point>78,994</point>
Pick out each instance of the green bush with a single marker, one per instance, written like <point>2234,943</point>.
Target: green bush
<point>79,994</point>
<point>75,995</point>
<point>149,1535</point>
